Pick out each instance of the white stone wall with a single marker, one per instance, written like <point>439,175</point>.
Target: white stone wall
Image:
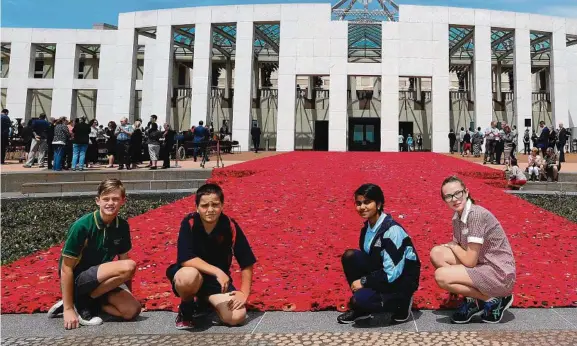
<point>310,44</point>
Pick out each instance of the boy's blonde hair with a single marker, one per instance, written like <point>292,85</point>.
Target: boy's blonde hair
<point>109,185</point>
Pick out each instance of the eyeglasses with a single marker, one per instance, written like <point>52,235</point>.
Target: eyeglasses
<point>457,196</point>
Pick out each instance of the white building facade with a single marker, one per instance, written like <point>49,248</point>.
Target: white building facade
<point>304,82</point>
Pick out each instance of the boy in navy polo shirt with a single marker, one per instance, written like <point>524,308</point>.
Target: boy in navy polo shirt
<point>206,243</point>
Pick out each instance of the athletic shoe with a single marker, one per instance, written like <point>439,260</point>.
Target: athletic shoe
<point>352,317</point>
<point>465,312</point>
<point>56,309</point>
<point>183,321</point>
<point>495,308</point>
<point>88,312</point>
<point>403,312</point>
<point>87,318</point>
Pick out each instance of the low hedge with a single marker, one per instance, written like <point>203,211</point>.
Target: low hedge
<point>29,225</point>
<point>561,204</point>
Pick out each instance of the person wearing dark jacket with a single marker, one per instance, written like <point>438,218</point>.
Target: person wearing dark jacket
<point>168,135</point>
<point>384,273</point>
<point>80,144</point>
<point>255,134</point>
<point>5,124</point>
<point>136,145</point>
<point>561,142</point>
<point>49,139</point>
<point>153,144</point>
<point>38,145</point>
<point>452,140</point>
<point>543,141</point>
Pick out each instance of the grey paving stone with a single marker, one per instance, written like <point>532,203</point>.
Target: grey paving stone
<point>158,322</point>
<point>323,321</point>
<point>514,320</point>
<point>569,314</point>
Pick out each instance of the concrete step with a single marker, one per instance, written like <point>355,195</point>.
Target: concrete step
<point>567,176</point>
<point>546,186</point>
<point>91,186</point>
<point>13,181</point>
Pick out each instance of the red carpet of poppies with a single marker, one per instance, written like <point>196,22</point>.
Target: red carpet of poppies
<point>297,211</point>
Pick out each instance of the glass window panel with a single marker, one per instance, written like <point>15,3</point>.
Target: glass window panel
<point>358,133</point>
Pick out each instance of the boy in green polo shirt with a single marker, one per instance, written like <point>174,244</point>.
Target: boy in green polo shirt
<point>90,278</point>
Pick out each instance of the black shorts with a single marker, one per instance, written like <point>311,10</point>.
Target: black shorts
<point>87,281</point>
<point>210,285</point>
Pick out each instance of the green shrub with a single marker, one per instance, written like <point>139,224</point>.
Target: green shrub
<point>29,225</point>
<point>560,204</point>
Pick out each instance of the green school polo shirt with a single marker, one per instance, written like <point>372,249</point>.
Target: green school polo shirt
<point>92,242</point>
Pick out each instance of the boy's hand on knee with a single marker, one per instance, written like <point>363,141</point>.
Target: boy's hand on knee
<point>356,285</point>
<point>70,319</point>
<point>238,300</point>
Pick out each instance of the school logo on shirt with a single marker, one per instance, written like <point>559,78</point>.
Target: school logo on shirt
<point>465,231</point>
<point>378,243</point>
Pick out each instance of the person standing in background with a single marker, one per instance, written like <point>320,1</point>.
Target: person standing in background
<point>255,134</point>
<point>5,124</point>
<point>38,145</point>
<point>561,142</point>
<point>123,134</point>
<point>168,135</point>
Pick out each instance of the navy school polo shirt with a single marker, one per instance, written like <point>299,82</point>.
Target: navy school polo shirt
<point>214,248</point>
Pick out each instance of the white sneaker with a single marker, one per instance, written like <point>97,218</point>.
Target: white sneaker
<point>56,309</point>
<point>85,318</point>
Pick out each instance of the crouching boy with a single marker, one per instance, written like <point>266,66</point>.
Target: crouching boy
<point>89,277</point>
<point>207,241</point>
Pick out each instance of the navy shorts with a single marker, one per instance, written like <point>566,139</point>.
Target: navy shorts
<point>210,285</point>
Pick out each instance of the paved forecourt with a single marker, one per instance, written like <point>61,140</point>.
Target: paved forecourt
<point>519,327</point>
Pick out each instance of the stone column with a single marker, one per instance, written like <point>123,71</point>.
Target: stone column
<point>522,77</point>
<point>483,89</point>
<point>440,90</point>
<point>66,70</point>
<point>201,73</point>
<point>163,69</point>
<point>125,72</point>
<point>21,64</point>
<point>242,84</point>
<point>559,80</point>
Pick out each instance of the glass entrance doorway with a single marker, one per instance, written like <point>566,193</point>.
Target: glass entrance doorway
<point>364,134</point>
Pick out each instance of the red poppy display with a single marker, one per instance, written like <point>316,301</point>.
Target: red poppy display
<point>298,214</point>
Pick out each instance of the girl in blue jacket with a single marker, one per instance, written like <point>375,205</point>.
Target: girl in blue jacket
<point>384,273</point>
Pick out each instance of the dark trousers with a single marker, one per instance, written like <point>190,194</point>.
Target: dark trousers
<point>256,143</point>
<point>527,150</point>
<point>58,156</point>
<point>122,153</point>
<point>561,148</point>
<point>356,264</point>
<point>5,143</point>
<point>165,155</point>
<point>452,146</point>
<point>200,147</point>
<point>68,155</point>
<point>92,152</point>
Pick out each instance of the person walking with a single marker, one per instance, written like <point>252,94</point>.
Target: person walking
<point>255,134</point>
<point>5,124</point>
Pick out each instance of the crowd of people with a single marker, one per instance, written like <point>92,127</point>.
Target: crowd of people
<point>383,273</point>
<point>500,144</point>
<point>410,143</point>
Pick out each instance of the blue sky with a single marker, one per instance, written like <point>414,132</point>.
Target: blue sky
<point>83,13</point>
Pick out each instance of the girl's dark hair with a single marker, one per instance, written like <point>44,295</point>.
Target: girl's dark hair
<point>455,179</point>
<point>372,192</point>
<point>513,161</point>
<point>209,189</point>
<point>91,122</point>
<point>112,125</point>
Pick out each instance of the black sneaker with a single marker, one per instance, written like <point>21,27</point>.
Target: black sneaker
<point>495,308</point>
<point>465,312</point>
<point>56,309</point>
<point>183,320</point>
<point>403,312</point>
<point>351,317</point>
